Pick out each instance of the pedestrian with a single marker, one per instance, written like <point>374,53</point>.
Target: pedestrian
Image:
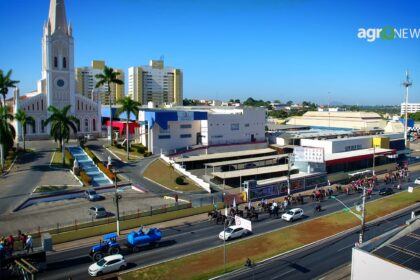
<point>23,239</point>
<point>11,243</point>
<point>29,244</point>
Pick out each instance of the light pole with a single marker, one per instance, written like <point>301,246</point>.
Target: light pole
<point>117,198</point>
<point>407,83</point>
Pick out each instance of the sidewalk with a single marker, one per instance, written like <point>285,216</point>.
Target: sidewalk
<point>164,225</point>
<point>341,273</point>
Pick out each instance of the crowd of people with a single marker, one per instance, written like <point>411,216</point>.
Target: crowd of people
<point>8,244</point>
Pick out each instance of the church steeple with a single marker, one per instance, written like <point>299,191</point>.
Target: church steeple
<point>57,16</point>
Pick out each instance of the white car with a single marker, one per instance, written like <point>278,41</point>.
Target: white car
<point>292,214</point>
<point>232,232</point>
<point>107,264</point>
<point>417,181</point>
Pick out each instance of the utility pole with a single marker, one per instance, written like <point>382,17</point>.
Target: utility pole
<point>117,198</point>
<point>407,83</point>
<point>362,230</point>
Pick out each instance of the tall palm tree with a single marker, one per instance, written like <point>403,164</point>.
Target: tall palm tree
<point>7,133</point>
<point>108,77</point>
<point>24,119</point>
<point>5,83</point>
<point>128,106</point>
<point>61,124</point>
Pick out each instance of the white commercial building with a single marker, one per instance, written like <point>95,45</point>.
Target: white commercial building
<point>167,130</point>
<point>411,108</point>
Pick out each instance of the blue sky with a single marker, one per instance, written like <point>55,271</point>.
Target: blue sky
<point>287,50</point>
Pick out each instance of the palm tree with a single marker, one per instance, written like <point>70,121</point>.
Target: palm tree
<point>108,77</point>
<point>24,119</point>
<point>128,106</point>
<point>61,124</point>
<point>7,133</point>
<point>5,83</point>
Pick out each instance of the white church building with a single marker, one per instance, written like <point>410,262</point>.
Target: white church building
<point>58,85</point>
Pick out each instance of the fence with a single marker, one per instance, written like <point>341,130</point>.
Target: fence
<point>195,179</point>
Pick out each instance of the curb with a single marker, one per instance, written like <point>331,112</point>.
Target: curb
<point>323,240</point>
<point>10,167</point>
<point>112,153</point>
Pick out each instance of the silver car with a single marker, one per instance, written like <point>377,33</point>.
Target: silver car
<point>98,211</point>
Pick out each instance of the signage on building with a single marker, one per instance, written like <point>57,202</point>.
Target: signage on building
<point>309,154</point>
<point>244,223</point>
<point>185,116</point>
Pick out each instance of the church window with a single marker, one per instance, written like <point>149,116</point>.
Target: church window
<point>64,62</point>
<point>94,124</point>
<point>33,107</point>
<point>86,125</point>
<point>42,105</point>
<point>85,107</point>
<point>37,106</point>
<point>28,107</point>
<point>78,126</point>
<point>78,106</point>
<point>42,126</point>
<point>34,128</point>
<point>55,62</point>
<point>82,105</point>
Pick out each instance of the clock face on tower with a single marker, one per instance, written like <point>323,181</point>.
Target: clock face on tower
<point>60,83</point>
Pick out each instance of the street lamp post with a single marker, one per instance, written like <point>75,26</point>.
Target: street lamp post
<point>117,198</point>
<point>407,83</point>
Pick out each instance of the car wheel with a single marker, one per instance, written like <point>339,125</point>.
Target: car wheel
<point>291,220</point>
<point>122,267</point>
<point>100,273</point>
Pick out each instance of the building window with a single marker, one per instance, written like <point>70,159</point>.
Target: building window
<point>185,135</point>
<point>55,62</point>
<point>94,124</point>
<point>33,107</point>
<point>42,126</point>
<point>217,136</point>
<point>37,105</point>
<point>164,136</point>
<point>183,126</point>
<point>78,105</point>
<point>42,105</point>
<point>162,130</point>
<point>34,128</point>
<point>247,125</point>
<point>64,62</point>
<point>78,126</point>
<point>234,126</point>
<point>86,125</point>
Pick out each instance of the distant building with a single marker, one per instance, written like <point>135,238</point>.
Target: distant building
<point>155,83</point>
<point>86,83</point>
<point>166,130</point>
<point>411,108</point>
<point>354,120</point>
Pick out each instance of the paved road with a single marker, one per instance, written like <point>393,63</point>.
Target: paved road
<point>178,241</point>
<point>314,262</point>
<point>30,171</point>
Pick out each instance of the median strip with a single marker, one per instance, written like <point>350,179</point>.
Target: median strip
<point>209,263</point>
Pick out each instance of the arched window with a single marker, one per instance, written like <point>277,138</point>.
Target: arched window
<point>34,128</point>
<point>93,124</point>
<point>55,62</point>
<point>86,125</point>
<point>64,62</point>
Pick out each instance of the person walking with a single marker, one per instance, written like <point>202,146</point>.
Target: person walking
<point>29,244</point>
<point>23,239</point>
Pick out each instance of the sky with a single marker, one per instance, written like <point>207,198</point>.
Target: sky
<point>266,49</point>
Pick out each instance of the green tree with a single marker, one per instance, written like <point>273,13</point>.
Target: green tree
<point>24,119</point>
<point>128,106</point>
<point>61,123</point>
<point>6,82</point>
<point>108,77</point>
<point>7,133</point>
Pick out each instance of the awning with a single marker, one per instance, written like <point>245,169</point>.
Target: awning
<point>122,125</point>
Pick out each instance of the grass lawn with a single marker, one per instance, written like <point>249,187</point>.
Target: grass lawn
<point>57,161</point>
<point>210,263</point>
<point>122,153</point>
<point>161,173</point>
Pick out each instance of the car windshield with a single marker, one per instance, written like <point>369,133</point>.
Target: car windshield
<point>229,230</point>
<point>101,209</point>
<point>92,192</point>
<point>290,212</point>
<point>101,262</point>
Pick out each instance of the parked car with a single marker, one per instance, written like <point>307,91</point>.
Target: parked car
<point>107,264</point>
<point>233,232</point>
<point>91,195</point>
<point>417,181</point>
<point>90,137</point>
<point>386,191</point>
<point>98,211</point>
<point>292,214</point>
<point>250,165</point>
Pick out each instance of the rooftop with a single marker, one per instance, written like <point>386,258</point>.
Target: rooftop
<point>252,171</point>
<point>224,155</point>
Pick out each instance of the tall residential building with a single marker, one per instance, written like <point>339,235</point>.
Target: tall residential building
<point>86,83</point>
<point>155,83</point>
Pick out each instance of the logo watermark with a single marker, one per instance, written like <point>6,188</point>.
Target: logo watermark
<point>387,33</point>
